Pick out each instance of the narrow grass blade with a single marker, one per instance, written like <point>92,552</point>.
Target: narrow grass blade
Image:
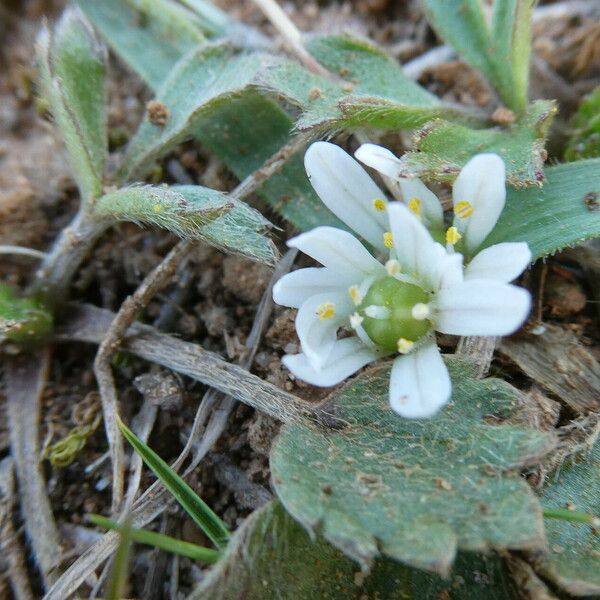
<point>158,540</point>
<point>117,580</point>
<point>200,512</point>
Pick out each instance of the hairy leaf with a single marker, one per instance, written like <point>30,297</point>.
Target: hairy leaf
<point>414,490</point>
<point>573,559</point>
<point>500,50</point>
<point>273,556</point>
<point>563,212</point>
<point>201,81</point>
<point>72,66</point>
<point>443,148</point>
<point>195,507</point>
<point>22,320</point>
<point>193,211</point>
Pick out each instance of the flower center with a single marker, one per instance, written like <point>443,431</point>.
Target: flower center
<point>395,314</point>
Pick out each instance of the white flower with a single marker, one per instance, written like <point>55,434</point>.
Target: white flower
<point>394,305</point>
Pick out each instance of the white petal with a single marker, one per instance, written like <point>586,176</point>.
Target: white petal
<point>418,254</point>
<point>338,250</point>
<point>502,262</point>
<point>419,384</point>
<point>347,190</point>
<point>481,307</point>
<point>481,182</point>
<point>379,158</point>
<point>295,288</point>
<point>383,160</point>
<point>347,357</point>
<point>317,335</point>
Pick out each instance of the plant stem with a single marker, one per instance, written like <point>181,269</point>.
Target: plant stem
<point>68,252</point>
<point>564,514</point>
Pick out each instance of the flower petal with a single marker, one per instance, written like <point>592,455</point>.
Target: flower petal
<point>347,356</point>
<point>419,383</point>
<point>347,190</point>
<point>295,288</point>
<point>338,250</point>
<point>317,333</point>
<point>481,183</point>
<point>383,160</point>
<point>502,262</point>
<point>418,254</point>
<point>481,307</point>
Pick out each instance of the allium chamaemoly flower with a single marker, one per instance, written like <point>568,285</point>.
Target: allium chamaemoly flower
<point>393,304</point>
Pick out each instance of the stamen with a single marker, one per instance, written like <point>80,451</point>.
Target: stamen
<point>463,209</point>
<point>420,311</point>
<point>414,204</point>
<point>378,312</point>
<point>388,239</point>
<point>355,295</point>
<point>356,320</point>
<point>392,267</point>
<point>405,346</point>
<point>326,311</point>
<point>379,204</point>
<point>453,236</point>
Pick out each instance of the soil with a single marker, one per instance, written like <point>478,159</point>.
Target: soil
<point>217,295</point>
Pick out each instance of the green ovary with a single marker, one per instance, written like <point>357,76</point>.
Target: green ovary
<point>399,298</point>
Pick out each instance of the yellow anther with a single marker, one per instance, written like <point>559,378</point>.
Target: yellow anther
<point>405,346</point>
<point>326,311</point>
<point>388,239</point>
<point>156,208</point>
<point>414,204</point>
<point>379,204</point>
<point>392,267</point>
<point>453,236</point>
<point>463,209</point>
<point>355,295</point>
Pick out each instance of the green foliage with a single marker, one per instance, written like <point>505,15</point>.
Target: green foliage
<point>585,140</point>
<point>371,89</point>
<point>414,490</point>
<point>195,507</point>
<point>117,577</point>
<point>201,81</point>
<point>573,559</point>
<point>159,540</point>
<point>565,211</point>
<point>500,51</point>
<point>273,556</point>
<point>193,211</point>
<point>23,321</point>
<point>72,65</point>
<point>443,148</point>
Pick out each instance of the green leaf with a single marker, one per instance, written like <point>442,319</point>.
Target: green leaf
<point>376,92</point>
<point>443,148</point>
<point>565,211</point>
<point>500,51</point>
<point>117,577</point>
<point>159,540</point>
<point>573,559</point>
<point>414,490</point>
<point>585,137</point>
<point>22,320</point>
<point>193,211</point>
<point>273,556</point>
<point>72,66</point>
<point>198,510</point>
<point>511,48</point>
<point>201,81</point>
<point>146,44</point>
